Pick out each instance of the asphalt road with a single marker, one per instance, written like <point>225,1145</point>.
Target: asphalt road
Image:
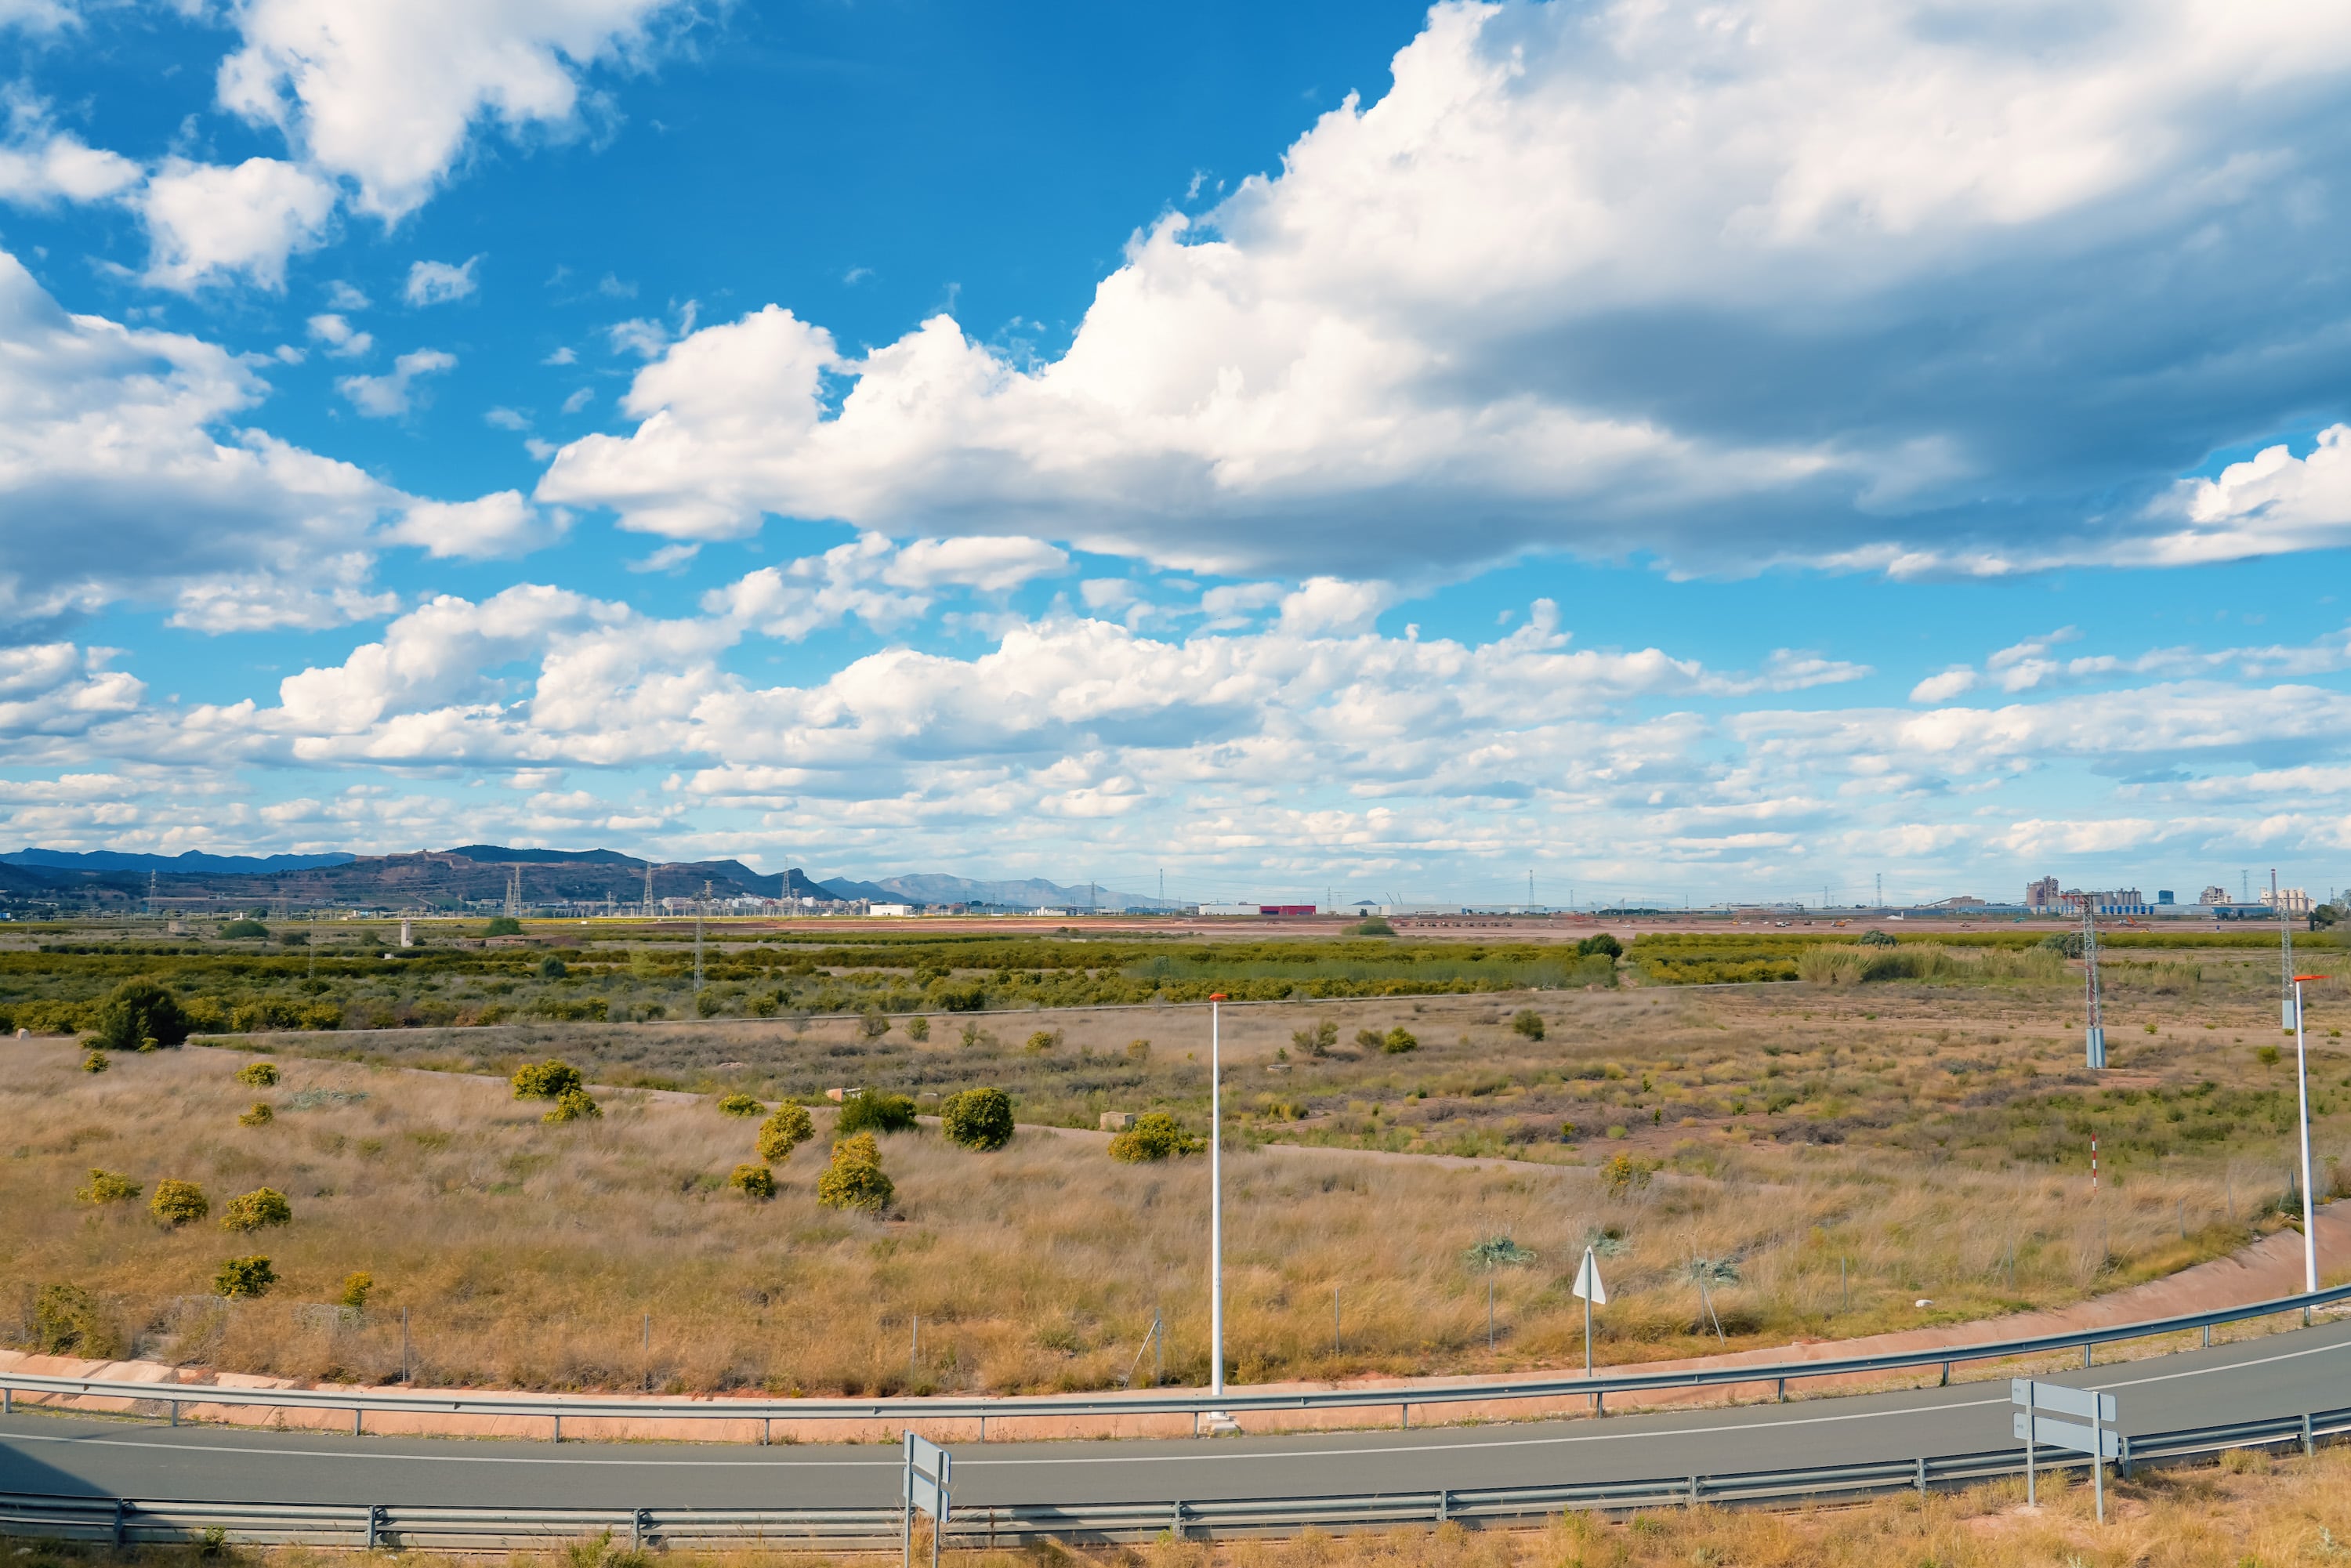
<point>2284,1374</point>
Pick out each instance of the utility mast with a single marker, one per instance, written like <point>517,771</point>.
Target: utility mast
<point>151,905</point>
<point>649,890</point>
<point>514,889</point>
<point>700,904</point>
<point>2097,1039</point>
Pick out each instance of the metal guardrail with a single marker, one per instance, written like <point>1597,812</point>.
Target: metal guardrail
<point>126,1522</point>
<point>558,1408</point>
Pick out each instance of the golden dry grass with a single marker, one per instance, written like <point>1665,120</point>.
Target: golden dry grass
<point>529,1254</point>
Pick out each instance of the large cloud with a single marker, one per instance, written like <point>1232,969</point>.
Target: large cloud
<point>385,92</point>
<point>123,474</point>
<point>1883,287</point>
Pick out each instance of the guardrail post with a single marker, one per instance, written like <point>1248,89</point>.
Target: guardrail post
<point>358,1414</point>
<point>1175,1519</point>
<point>640,1526</point>
<point>120,1507</point>
<point>7,1401</point>
<point>558,1437</point>
<point>1947,1376</point>
<point>2309,1443</point>
<point>374,1525</point>
<point>1403,1416</point>
<point>1444,1505</point>
<point>175,1412</point>
<point>2123,1459</point>
<point>1922,1475</point>
<point>1780,1392</point>
<point>2207,1336</point>
<point>1691,1501</point>
<point>2085,1357</point>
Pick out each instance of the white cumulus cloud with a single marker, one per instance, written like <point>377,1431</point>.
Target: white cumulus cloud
<point>437,282</point>
<point>213,224</point>
<point>390,396</point>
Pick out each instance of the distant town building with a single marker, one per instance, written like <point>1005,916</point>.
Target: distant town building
<point>2213,895</point>
<point>2163,899</point>
<point>893,911</point>
<point>2291,900</point>
<point>2041,894</point>
<point>1959,901</point>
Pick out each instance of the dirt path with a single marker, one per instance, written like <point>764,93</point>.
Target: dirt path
<point>2269,1269</point>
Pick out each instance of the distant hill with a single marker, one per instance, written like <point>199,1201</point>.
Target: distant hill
<point>1033,894</point>
<point>190,862</point>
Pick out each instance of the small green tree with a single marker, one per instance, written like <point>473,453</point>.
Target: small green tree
<point>237,930</point>
<point>918,1028</point>
<point>873,1112</point>
<point>256,1210</point>
<point>1154,1136</point>
<point>1873,938</point>
<point>783,1131</point>
<point>69,1320</point>
<point>855,1178</point>
<point>978,1118</point>
<point>258,1074</point>
<point>260,1115</point>
<point>503,926</point>
<point>552,968</point>
<point>574,1105</point>
<point>1602,944</point>
<point>740,1105</point>
<point>244,1278</point>
<point>549,1079</point>
<point>178,1203</point>
<point>139,1015</point>
<point>1317,1040</point>
<point>107,1187</point>
<point>753,1181</point>
<point>357,1288</point>
<point>1529,1022</point>
<point>1398,1040</point>
<point>872,1024</point>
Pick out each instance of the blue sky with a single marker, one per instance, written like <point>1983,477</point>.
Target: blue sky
<point>1681,452</point>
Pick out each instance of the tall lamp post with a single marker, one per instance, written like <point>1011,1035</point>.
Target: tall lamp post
<point>2309,1203</point>
<point>1215,1207</point>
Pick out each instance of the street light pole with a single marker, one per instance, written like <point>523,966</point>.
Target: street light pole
<point>2309,1203</point>
<point>1215,1200</point>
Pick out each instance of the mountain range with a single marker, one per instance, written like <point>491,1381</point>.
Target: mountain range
<point>452,878</point>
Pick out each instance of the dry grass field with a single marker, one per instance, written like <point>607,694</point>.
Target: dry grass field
<point>2250,1511</point>
<point>1823,1158</point>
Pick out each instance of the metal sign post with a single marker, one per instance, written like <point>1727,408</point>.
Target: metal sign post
<point>1592,1293</point>
<point>2098,1438</point>
<point>2309,1202</point>
<point>929,1478</point>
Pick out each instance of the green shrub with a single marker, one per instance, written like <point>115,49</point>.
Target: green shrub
<point>1044,1041</point>
<point>1624,1176</point>
<point>783,1131</point>
<point>549,1079</point>
<point>1398,1040</point>
<point>872,1024</point>
<point>357,1288</point>
<point>177,1203</point>
<point>503,926</point>
<point>552,968</point>
<point>1602,944</point>
<point>1374,926</point>
<point>261,1116</point>
<point>753,1181</point>
<point>238,929</point>
<point>855,1179</point>
<point>95,1062</point>
<point>1154,1136</point>
<point>1317,1040</point>
<point>978,1118</point>
<point>918,1028</point>
<point>739,1105</point>
<point>574,1105</point>
<point>107,1187</point>
<point>139,1015</point>
<point>258,1209</point>
<point>258,1074</point>
<point>69,1320</point>
<point>1873,938</point>
<point>244,1278</point>
<point>2064,944</point>
<point>1529,1022</point>
<point>873,1112</point>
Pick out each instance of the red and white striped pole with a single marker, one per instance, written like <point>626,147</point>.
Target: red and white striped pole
<point>2093,1162</point>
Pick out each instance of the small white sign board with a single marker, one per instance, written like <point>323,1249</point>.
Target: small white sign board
<point>1587,1286</point>
<point>2093,1433</point>
<point>929,1477</point>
